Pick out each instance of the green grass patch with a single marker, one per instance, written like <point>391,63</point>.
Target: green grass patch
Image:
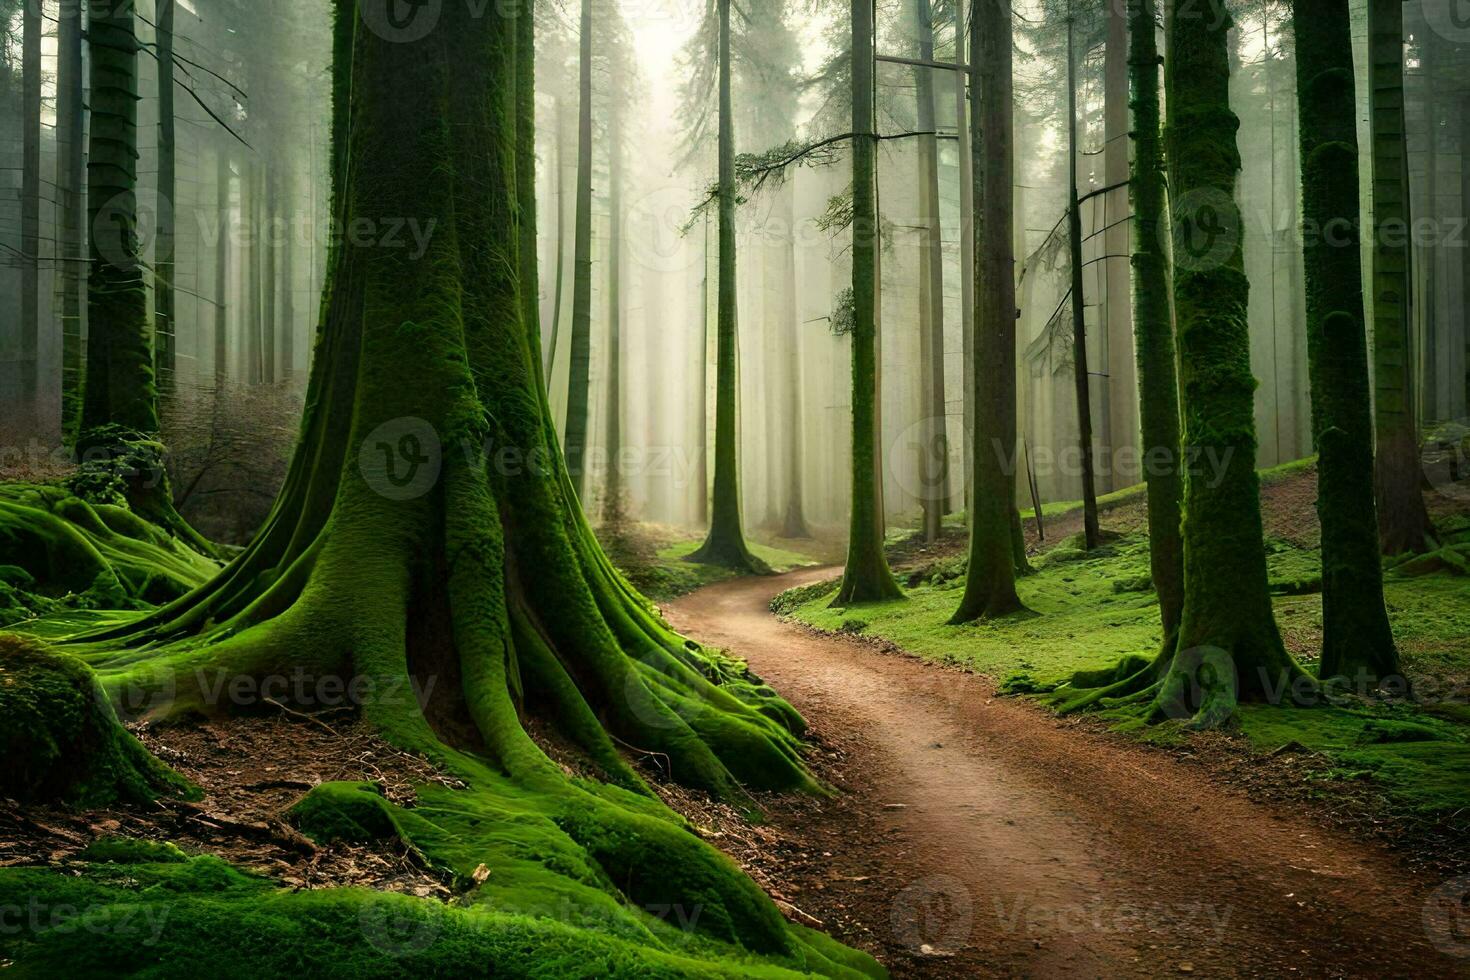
<point>658,568</point>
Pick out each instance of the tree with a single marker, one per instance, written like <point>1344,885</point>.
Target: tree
<point>934,452</point>
<point>473,568</point>
<point>1082,385</point>
<point>30,210</point>
<point>990,581</point>
<point>866,577</point>
<point>725,544</point>
<point>71,178</point>
<point>613,504</point>
<point>580,383</point>
<point>1153,324</point>
<point>165,328</point>
<point>1356,636</point>
<point>1404,524</point>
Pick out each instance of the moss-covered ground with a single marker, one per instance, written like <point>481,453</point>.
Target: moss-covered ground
<point>1088,612</point>
<point>655,560</point>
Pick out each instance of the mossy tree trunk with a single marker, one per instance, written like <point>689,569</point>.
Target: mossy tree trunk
<point>934,450</point>
<point>1229,646</point>
<point>165,329</point>
<point>388,557</point>
<point>559,183</point>
<point>725,544</point>
<point>1403,519</point>
<point>71,174</point>
<point>579,383</point>
<point>1356,636</point>
<point>1081,382</point>
<point>1153,323</point>
<point>866,577</point>
<point>29,327</point>
<point>990,583</point>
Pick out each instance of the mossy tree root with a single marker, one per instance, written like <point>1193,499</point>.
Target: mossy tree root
<point>484,589</point>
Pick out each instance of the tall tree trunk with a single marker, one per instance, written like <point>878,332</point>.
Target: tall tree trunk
<point>250,277</point>
<point>29,328</point>
<point>1082,385</point>
<point>525,95</point>
<point>72,175</point>
<point>579,384</point>
<point>1229,645</point>
<point>614,492</point>
<point>1153,325</point>
<point>165,329</point>
<point>934,452</point>
<point>990,583</point>
<point>222,178</point>
<point>793,523</point>
<point>496,581</point>
<point>1357,641</point>
<point>286,322</point>
<point>701,367</point>
<point>967,244</point>
<point>866,577</point>
<point>1403,519</point>
<point>725,544</point>
<point>269,247</point>
<point>558,177</point>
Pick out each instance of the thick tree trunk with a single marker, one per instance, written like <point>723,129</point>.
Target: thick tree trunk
<point>990,584</point>
<point>1082,385</point>
<point>387,559</point>
<point>579,384</point>
<point>72,174</point>
<point>165,330</point>
<point>866,577</point>
<point>934,451</point>
<point>29,327</point>
<point>1153,319</point>
<point>1357,641</point>
<point>1403,519</point>
<point>725,544</point>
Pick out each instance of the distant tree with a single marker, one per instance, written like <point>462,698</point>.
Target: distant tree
<point>579,384</point>
<point>990,581</point>
<point>30,211</point>
<point>71,172</point>
<point>165,326</point>
<point>1356,636</point>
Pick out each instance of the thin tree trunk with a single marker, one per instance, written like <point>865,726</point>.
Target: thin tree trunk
<point>866,577</point>
<point>990,583</point>
<point>725,544</point>
<point>269,246</point>
<point>614,492</point>
<point>1357,640</point>
<point>1153,325</point>
<point>794,522</point>
<point>580,382</point>
<point>934,452</point>
<point>1082,384</point>
<point>530,275</point>
<point>72,175</point>
<point>165,342</point>
<point>559,175</point>
<point>967,245</point>
<point>222,269</point>
<point>1403,519</point>
<point>286,322</point>
<point>30,217</point>
<point>701,506</point>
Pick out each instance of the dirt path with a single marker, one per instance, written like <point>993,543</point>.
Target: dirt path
<point>980,837</point>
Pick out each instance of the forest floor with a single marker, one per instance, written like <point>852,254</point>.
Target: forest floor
<point>978,835</point>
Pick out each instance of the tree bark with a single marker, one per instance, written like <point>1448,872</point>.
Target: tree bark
<point>1082,386</point>
<point>1357,641</point>
<point>165,329</point>
<point>990,583</point>
<point>72,174</point>
<point>29,327</point>
<point>934,448</point>
<point>579,383</point>
<point>1153,319</point>
<point>222,268</point>
<point>725,544</point>
<point>866,577</point>
<point>1403,519</point>
<point>614,492</point>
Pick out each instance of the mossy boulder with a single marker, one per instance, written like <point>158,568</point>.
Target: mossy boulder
<point>59,737</point>
<point>355,813</point>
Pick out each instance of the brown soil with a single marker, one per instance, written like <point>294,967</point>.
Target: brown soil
<point>978,836</point>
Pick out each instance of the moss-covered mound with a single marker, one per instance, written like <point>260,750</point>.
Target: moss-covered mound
<point>355,813</point>
<point>59,737</point>
<point>59,552</point>
<point>198,917</point>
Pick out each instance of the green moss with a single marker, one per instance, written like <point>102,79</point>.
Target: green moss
<point>355,813</point>
<point>59,738</point>
<point>123,850</point>
<point>667,573</point>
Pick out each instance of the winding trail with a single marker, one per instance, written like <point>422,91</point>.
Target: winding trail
<point>979,836</point>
